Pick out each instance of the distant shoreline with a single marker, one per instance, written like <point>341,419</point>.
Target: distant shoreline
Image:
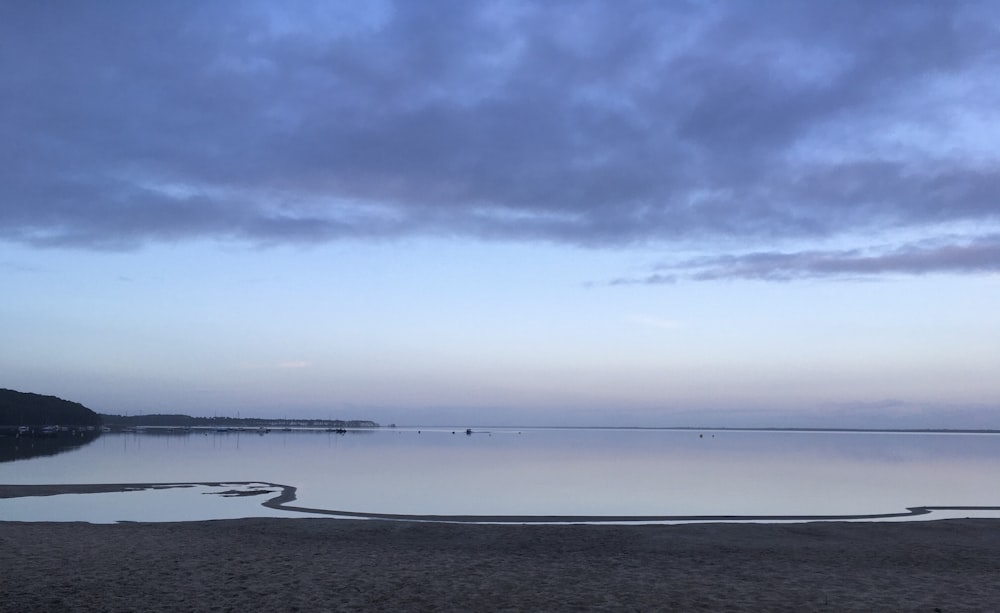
<point>352,425</point>
<point>707,429</point>
<point>177,420</point>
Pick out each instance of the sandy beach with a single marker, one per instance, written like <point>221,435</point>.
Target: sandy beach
<point>330,564</point>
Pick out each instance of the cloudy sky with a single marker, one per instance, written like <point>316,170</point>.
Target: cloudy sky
<point>662,213</point>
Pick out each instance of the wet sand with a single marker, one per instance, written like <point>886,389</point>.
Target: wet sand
<point>330,564</point>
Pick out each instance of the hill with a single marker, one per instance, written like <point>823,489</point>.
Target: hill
<point>26,409</point>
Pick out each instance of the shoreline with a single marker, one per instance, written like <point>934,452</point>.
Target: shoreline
<point>325,564</point>
<point>288,495</point>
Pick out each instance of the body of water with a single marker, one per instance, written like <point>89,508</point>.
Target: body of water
<point>529,472</point>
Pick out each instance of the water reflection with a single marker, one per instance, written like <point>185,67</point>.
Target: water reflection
<point>31,444</point>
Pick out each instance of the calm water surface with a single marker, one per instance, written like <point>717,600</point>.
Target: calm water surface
<point>520,472</point>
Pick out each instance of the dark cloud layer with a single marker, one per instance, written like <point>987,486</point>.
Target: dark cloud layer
<point>724,127</point>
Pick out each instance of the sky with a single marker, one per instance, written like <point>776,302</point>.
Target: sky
<point>535,213</point>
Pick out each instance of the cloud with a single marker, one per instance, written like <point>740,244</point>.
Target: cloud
<point>598,124</point>
<point>978,256</point>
